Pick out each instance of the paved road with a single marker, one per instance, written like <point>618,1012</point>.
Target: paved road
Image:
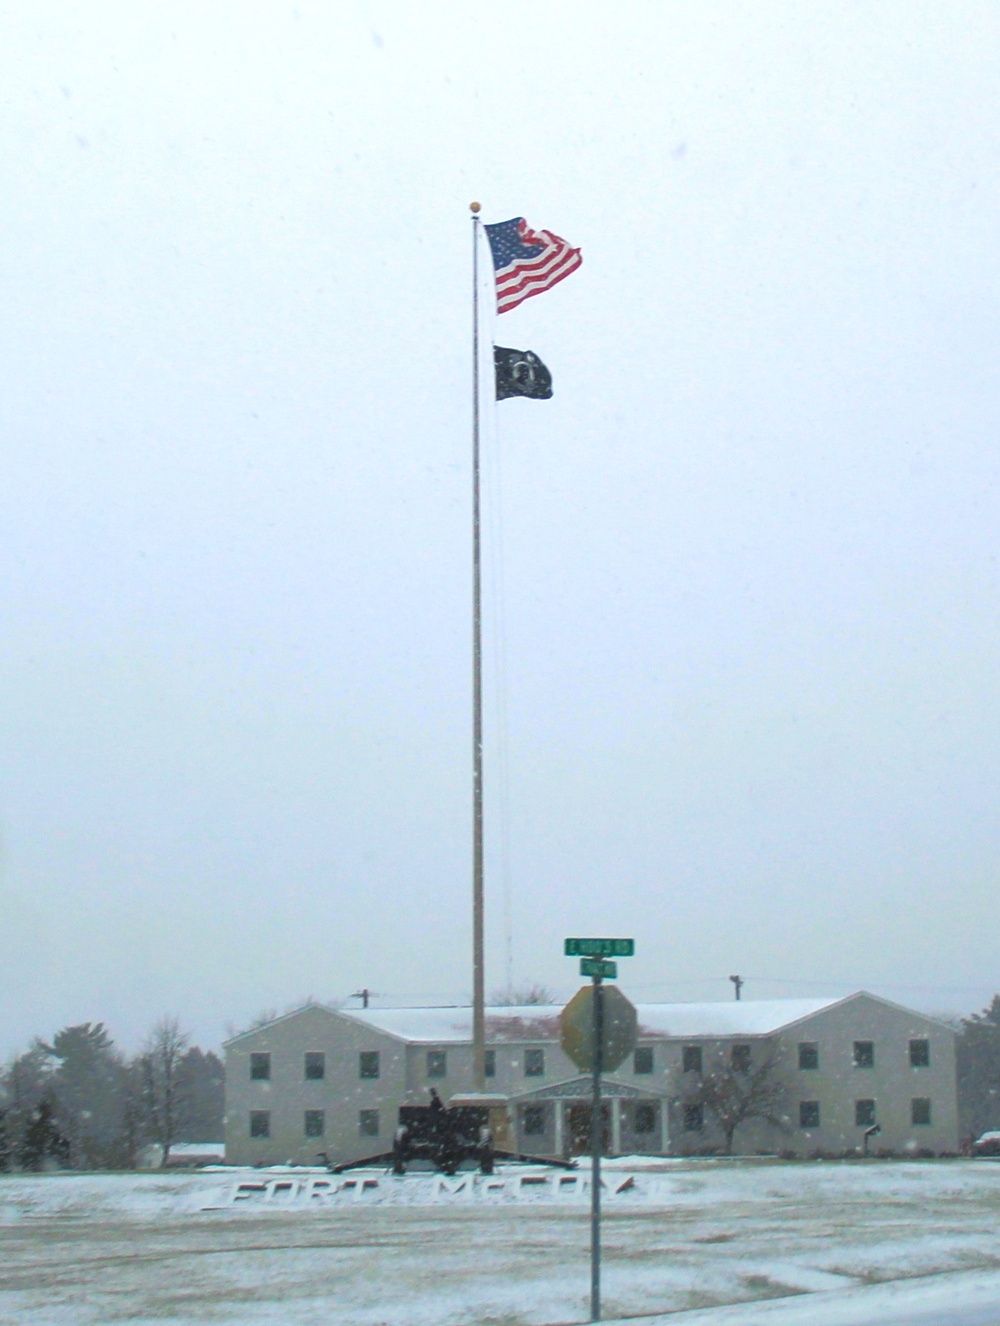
<point>952,1299</point>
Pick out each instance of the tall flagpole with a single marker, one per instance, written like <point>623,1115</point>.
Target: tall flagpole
<point>478,927</point>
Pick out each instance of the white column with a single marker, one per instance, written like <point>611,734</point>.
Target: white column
<point>616,1126</point>
<point>559,1106</point>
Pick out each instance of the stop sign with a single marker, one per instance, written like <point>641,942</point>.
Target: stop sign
<point>577,1027</point>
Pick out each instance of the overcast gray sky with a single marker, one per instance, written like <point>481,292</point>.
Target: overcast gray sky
<point>741,571</point>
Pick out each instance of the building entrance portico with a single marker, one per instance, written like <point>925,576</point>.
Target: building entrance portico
<point>556,1120</point>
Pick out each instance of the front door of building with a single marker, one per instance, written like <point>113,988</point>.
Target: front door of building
<point>578,1117</point>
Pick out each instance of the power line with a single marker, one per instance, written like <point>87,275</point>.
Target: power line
<point>882,985</point>
<point>460,998</point>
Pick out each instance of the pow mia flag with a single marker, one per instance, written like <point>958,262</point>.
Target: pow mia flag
<point>521,373</point>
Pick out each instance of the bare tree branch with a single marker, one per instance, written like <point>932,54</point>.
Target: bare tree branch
<point>163,1098</point>
<point>734,1094</point>
<point>516,995</point>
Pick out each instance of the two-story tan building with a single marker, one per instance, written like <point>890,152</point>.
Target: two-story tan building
<point>330,1081</point>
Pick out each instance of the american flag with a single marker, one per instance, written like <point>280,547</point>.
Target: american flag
<point>527,262</point>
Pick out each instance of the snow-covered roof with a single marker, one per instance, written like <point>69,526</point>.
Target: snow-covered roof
<point>526,1022</point>
<point>744,1017</point>
<point>532,1022</point>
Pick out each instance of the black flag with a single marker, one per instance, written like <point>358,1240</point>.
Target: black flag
<point>521,373</point>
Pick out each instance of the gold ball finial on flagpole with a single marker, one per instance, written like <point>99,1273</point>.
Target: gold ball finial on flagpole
<point>474,208</point>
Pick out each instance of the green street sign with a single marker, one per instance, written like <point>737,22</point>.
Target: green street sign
<point>599,967</point>
<point>599,948</point>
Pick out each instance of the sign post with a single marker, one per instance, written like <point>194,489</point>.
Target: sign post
<point>602,1044</point>
<point>595,1155</point>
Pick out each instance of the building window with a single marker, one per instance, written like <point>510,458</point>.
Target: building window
<point>260,1067</point>
<point>314,1123</point>
<point>533,1120</point>
<point>644,1119</point>
<point>534,1063</point>
<point>490,1063</point>
<point>260,1123</point>
<point>315,1066</point>
<point>437,1063</point>
<point>692,1058</point>
<point>368,1123</point>
<point>808,1055</point>
<point>864,1113</point>
<point>920,1111</point>
<point>694,1118</point>
<point>864,1054</point>
<point>808,1113</point>
<point>643,1059</point>
<point>920,1054</point>
<point>741,1058</point>
<point>368,1063</point>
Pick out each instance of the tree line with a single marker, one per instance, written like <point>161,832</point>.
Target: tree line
<point>78,1102</point>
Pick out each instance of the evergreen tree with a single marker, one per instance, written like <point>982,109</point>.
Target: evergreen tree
<point>201,1085</point>
<point>977,1053</point>
<point>43,1142</point>
<point>88,1084</point>
<point>24,1081</point>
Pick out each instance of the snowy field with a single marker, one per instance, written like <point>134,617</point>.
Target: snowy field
<point>786,1244</point>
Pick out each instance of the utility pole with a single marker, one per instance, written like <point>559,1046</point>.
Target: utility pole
<point>364,995</point>
<point>738,983</point>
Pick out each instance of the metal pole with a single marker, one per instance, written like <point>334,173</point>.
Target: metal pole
<point>595,1155</point>
<point>478,972</point>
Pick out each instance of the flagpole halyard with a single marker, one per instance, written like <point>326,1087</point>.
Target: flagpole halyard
<point>478,910</point>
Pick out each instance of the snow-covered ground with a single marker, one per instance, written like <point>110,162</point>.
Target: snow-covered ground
<point>824,1244</point>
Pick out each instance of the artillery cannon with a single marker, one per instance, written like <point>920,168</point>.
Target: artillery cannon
<point>446,1138</point>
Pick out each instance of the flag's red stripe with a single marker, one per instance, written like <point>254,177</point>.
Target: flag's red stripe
<point>541,260</point>
<point>538,270</point>
<point>512,300</point>
<point>510,293</point>
<point>557,264</point>
<point>504,306</point>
